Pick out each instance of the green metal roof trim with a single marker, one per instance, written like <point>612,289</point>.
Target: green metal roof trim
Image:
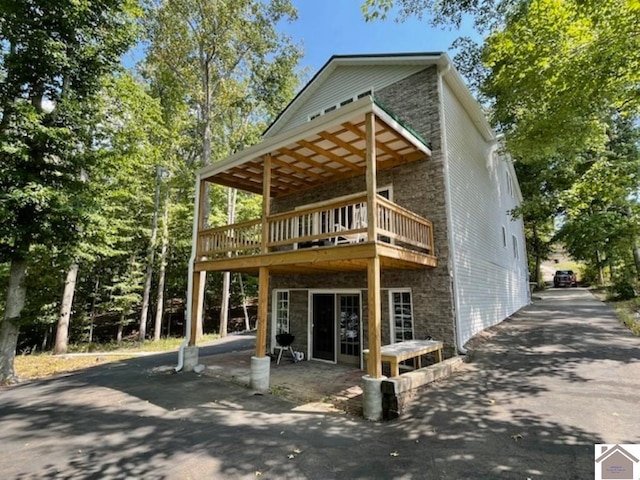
<point>401,122</point>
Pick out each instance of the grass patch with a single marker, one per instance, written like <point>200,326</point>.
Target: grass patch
<point>575,266</point>
<point>627,311</point>
<point>31,367</point>
<point>163,345</point>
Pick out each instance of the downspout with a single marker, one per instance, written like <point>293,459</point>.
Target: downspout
<point>192,259</point>
<point>445,161</point>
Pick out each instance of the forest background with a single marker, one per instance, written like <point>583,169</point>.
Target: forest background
<point>97,161</point>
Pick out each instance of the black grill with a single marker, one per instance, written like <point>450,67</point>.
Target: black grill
<point>285,339</point>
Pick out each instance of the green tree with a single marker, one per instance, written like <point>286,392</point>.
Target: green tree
<point>550,72</point>
<point>229,63</point>
<point>53,55</point>
<point>129,137</point>
<point>600,210</point>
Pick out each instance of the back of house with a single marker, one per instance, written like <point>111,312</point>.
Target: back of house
<point>464,188</point>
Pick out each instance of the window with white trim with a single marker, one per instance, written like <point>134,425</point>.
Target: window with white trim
<point>504,237</point>
<point>509,184</point>
<point>516,253</point>
<point>282,311</point>
<point>401,315</point>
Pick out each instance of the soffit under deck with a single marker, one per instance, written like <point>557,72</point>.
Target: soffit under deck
<point>327,149</point>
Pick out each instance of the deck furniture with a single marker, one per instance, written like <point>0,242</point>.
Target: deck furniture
<point>398,352</point>
<point>284,341</point>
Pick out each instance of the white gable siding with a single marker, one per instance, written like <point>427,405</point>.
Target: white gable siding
<point>346,82</point>
<point>490,283</point>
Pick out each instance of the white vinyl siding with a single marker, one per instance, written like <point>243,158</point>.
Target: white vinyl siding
<point>346,82</point>
<point>490,283</point>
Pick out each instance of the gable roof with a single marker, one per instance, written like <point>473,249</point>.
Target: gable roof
<point>425,59</point>
<point>619,449</point>
<point>326,149</point>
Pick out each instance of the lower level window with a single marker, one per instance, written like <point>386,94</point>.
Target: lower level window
<point>282,311</point>
<point>401,313</point>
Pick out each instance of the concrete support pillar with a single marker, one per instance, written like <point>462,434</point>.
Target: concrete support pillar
<point>260,372</point>
<point>190,358</point>
<point>372,397</point>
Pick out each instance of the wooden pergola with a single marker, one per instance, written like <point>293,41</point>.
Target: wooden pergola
<point>358,139</point>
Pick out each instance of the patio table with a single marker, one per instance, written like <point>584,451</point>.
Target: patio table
<point>398,352</point>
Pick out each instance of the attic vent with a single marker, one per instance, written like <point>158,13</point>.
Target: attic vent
<point>341,104</point>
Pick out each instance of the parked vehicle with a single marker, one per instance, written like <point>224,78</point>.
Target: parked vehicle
<point>565,278</point>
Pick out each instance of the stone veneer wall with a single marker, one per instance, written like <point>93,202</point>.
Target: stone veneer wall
<point>418,186</point>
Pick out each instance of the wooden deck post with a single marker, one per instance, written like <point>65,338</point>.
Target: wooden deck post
<point>372,210</point>
<point>263,280</point>
<point>197,300</point>
<point>374,365</point>
<point>266,202</point>
<point>263,309</point>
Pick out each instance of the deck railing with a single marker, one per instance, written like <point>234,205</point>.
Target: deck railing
<point>403,226</point>
<point>239,239</point>
<point>330,224</point>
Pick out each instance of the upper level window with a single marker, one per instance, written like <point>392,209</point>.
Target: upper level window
<point>509,184</point>
<point>344,102</point>
<point>504,237</point>
<point>516,253</point>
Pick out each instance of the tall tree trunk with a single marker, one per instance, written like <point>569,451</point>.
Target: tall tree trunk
<point>93,309</point>
<point>10,326</point>
<point>538,256</point>
<point>224,304</point>
<point>600,268</point>
<point>62,333</point>
<point>226,276</point>
<point>205,121</point>
<point>150,257</point>
<point>161,274</point>
<point>120,329</point>
<point>636,258</point>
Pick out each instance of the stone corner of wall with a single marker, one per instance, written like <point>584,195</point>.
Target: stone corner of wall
<point>397,392</point>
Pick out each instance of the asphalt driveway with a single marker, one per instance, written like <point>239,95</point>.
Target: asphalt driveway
<point>542,388</point>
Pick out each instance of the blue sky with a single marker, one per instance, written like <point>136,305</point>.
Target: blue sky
<point>337,27</point>
<point>333,27</point>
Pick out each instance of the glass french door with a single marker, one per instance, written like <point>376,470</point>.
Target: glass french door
<point>337,328</point>
<point>349,328</point>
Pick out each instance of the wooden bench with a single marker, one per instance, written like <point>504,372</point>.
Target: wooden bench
<point>398,352</point>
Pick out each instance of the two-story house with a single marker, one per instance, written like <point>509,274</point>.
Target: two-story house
<point>385,216</point>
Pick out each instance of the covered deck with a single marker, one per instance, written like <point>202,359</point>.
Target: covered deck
<point>361,231</point>
<point>317,239</point>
